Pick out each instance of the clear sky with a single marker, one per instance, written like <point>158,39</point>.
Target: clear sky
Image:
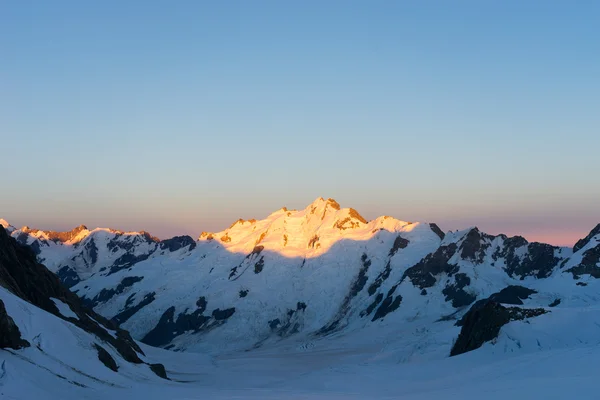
<point>180,117</point>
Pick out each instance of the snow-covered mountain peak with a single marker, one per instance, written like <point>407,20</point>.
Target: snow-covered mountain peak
<point>320,209</point>
<point>4,223</point>
<point>80,253</point>
<point>320,202</point>
<point>303,233</point>
<point>71,237</point>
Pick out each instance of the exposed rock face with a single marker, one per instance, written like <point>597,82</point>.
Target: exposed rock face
<point>483,322</point>
<point>527,259</point>
<point>455,292</point>
<point>169,327</point>
<point>399,243</point>
<point>59,236</point>
<point>105,358</point>
<point>423,273</point>
<point>68,276</point>
<point>436,229</point>
<point>130,309</point>
<point>127,260</point>
<point>588,264</point>
<point>381,277</point>
<point>107,294</point>
<point>513,294</point>
<point>159,370</point>
<point>474,245</point>
<point>10,336</point>
<point>357,286</point>
<point>389,304</point>
<point>178,242</point>
<point>292,321</point>
<point>584,242</point>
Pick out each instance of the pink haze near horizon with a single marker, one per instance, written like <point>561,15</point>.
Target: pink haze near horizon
<point>168,221</point>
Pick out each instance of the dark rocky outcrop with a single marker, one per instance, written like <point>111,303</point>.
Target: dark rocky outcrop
<point>259,265</point>
<point>159,370</point>
<point>474,245</point>
<point>127,260</point>
<point>106,358</point>
<point>584,242</point>
<point>389,304</point>
<point>456,293</point>
<point>274,324</point>
<point>588,265</point>
<point>422,274</point>
<point>10,336</point>
<point>361,280</point>
<point>91,250</point>
<point>253,255</point>
<point>381,277</point>
<point>355,215</point>
<point>178,242</point>
<point>482,324</point>
<point>436,229</point>
<point>399,243</point>
<point>107,294</point>
<point>538,259</point>
<point>169,326</point>
<point>68,276</point>
<point>346,223</point>
<point>221,315</point>
<point>129,310</point>
<point>512,294</point>
<point>121,241</point>
<point>35,247</point>
<point>290,323</point>
<point>58,236</point>
<point>201,304</point>
<point>378,299</point>
<point>356,287</point>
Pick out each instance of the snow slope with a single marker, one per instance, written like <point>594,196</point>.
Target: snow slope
<point>356,370</point>
<point>45,329</point>
<point>61,354</point>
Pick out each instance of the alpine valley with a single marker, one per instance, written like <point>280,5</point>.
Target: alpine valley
<point>313,303</point>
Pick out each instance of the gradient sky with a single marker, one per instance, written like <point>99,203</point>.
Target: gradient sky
<point>180,117</point>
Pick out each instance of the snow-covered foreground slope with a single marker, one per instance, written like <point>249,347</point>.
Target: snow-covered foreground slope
<point>356,369</point>
<point>46,335</point>
<point>61,359</point>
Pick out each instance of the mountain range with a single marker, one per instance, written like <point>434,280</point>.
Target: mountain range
<point>323,274</point>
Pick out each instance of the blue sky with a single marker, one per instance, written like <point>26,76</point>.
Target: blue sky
<point>182,117</point>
